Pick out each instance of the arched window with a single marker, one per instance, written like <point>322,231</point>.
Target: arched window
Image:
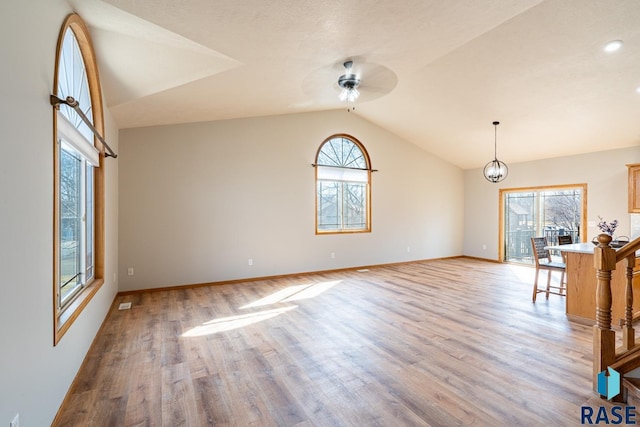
<point>343,190</point>
<point>78,177</point>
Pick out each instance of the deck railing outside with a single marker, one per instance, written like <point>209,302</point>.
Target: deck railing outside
<point>518,242</point>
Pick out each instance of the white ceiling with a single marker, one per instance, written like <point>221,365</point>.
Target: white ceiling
<point>434,72</point>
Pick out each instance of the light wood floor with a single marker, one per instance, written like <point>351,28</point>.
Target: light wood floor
<point>440,343</point>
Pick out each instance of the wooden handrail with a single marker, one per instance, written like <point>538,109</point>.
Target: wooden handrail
<point>604,338</point>
<point>628,249</point>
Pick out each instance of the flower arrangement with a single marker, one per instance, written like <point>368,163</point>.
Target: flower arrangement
<point>607,227</point>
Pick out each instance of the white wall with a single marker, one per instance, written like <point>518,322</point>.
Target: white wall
<point>34,375</point>
<point>604,173</point>
<point>198,200</point>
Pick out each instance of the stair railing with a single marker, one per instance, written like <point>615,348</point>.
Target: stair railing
<point>604,338</point>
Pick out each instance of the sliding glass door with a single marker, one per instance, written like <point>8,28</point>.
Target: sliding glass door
<point>540,211</point>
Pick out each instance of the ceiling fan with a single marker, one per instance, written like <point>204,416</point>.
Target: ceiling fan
<point>372,79</point>
<point>351,79</point>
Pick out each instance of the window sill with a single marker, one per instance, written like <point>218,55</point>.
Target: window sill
<point>64,320</point>
<point>318,232</point>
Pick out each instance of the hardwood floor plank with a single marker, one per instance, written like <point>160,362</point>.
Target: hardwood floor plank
<point>144,401</point>
<point>435,343</point>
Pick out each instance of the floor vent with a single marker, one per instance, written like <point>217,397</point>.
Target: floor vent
<point>124,306</point>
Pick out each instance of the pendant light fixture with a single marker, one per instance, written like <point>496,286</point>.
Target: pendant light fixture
<point>495,170</point>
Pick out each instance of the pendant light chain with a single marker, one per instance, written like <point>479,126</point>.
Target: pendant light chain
<point>495,140</point>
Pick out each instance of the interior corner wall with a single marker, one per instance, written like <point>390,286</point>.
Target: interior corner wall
<point>604,173</point>
<point>197,201</point>
<point>35,375</point>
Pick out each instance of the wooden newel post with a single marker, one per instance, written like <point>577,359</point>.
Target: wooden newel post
<point>604,338</point>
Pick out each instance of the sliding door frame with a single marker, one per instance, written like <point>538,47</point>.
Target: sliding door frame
<point>501,208</point>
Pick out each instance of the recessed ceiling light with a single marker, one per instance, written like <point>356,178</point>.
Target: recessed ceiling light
<point>638,89</point>
<point>613,45</point>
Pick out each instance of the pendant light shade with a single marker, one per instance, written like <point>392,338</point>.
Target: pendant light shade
<point>495,170</point>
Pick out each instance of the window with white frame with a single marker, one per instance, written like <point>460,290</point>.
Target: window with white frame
<point>343,186</point>
<point>79,193</point>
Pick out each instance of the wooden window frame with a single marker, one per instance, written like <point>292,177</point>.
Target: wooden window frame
<point>501,207</point>
<point>367,191</point>
<point>63,319</point>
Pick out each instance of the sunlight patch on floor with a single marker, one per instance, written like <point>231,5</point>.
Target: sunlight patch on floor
<point>312,291</point>
<point>294,293</point>
<point>527,274</point>
<point>276,297</point>
<point>234,322</point>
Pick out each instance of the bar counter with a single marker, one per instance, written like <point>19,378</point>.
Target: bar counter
<point>581,285</point>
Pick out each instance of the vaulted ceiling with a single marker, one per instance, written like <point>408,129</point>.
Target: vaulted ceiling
<point>434,72</point>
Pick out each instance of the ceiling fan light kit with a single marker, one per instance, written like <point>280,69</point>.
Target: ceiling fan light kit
<point>349,83</point>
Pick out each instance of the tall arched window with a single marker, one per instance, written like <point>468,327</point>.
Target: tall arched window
<point>343,190</point>
<point>78,177</point>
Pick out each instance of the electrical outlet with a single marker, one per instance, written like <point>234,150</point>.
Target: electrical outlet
<point>333,255</point>
<point>408,248</point>
<point>484,247</point>
<point>15,422</point>
<point>250,262</point>
<point>130,271</point>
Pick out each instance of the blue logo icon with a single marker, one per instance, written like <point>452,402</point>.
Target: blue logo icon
<point>609,385</point>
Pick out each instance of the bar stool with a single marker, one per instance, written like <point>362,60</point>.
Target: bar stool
<point>542,258</point>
